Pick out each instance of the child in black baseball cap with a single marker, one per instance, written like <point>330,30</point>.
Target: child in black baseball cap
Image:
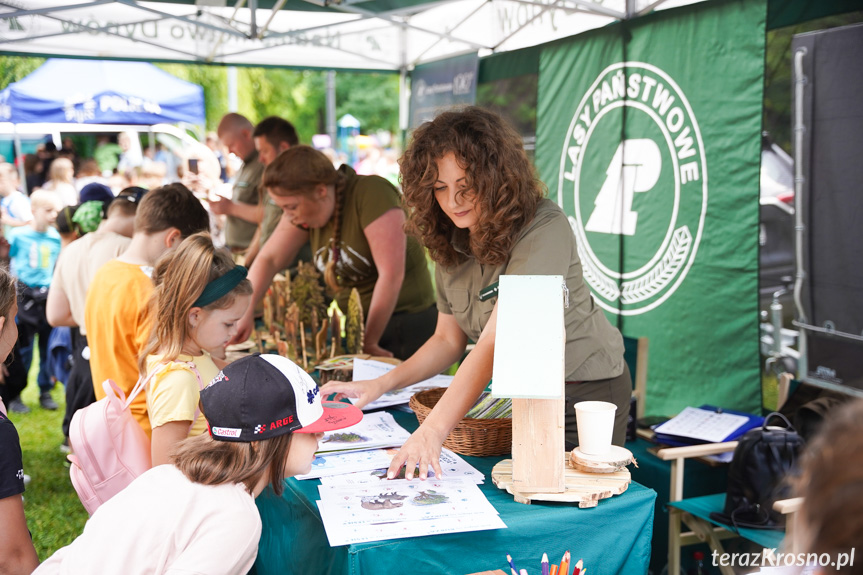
<point>198,514</point>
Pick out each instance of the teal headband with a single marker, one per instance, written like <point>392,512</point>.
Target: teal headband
<point>221,286</point>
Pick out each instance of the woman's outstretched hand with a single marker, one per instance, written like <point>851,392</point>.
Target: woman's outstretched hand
<point>420,453</point>
<point>364,392</point>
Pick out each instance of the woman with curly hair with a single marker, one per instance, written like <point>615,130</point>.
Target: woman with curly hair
<point>355,225</point>
<point>478,207</point>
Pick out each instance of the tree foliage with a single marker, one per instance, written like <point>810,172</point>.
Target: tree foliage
<point>14,68</point>
<point>372,98</point>
<point>214,81</point>
<point>296,95</point>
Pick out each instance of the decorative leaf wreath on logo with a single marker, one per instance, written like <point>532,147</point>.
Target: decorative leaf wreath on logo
<point>633,172</point>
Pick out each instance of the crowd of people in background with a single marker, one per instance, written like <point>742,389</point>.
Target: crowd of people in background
<point>85,207</point>
<point>56,180</point>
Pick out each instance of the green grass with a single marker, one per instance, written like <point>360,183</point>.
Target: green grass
<point>55,516</point>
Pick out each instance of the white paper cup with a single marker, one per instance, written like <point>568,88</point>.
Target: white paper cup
<point>595,420</point>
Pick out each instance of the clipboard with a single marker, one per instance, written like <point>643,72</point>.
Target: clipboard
<point>705,424</point>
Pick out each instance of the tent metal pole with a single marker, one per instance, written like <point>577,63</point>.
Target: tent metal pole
<point>299,31</point>
<point>404,92</point>
<point>546,8</point>
<point>648,8</point>
<point>253,19</point>
<point>588,6</point>
<point>233,102</point>
<point>19,159</point>
<point>275,10</point>
<point>217,45</point>
<point>355,10</point>
<point>331,107</point>
<point>408,10</point>
<point>460,22</point>
<point>390,66</point>
<point>799,179</point>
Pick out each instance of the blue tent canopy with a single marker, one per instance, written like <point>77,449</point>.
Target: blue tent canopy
<point>101,92</point>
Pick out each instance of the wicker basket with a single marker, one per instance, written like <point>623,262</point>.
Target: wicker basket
<point>480,437</point>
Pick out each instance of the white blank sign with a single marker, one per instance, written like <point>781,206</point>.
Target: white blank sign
<point>530,338</point>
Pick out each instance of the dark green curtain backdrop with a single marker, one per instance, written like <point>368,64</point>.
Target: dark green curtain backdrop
<point>648,136</point>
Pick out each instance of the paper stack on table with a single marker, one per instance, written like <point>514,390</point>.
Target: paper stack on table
<point>358,448</point>
<point>355,493</point>
<point>355,455</point>
<point>452,465</point>
<point>365,369</point>
<point>399,508</point>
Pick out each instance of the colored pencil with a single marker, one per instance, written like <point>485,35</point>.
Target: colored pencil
<point>552,570</point>
<point>564,563</point>
<point>544,564</point>
<point>511,564</point>
<point>577,569</point>
<point>523,572</point>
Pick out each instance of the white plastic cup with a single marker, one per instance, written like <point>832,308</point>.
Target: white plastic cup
<point>595,420</point>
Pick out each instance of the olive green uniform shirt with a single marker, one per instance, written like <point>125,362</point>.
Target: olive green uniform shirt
<point>546,246</point>
<point>272,215</point>
<point>239,232</point>
<point>366,198</point>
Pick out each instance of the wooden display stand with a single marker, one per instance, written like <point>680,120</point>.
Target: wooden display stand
<point>581,487</point>
<point>530,324</point>
<point>538,446</point>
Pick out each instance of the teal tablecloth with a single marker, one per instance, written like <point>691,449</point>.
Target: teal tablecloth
<point>699,479</point>
<point>612,538</point>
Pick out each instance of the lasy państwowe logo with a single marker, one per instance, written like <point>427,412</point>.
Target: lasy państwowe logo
<point>633,171</point>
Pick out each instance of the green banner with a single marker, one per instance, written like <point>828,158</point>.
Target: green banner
<point>648,136</point>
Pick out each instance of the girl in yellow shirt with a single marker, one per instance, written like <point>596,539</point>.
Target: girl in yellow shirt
<point>199,296</point>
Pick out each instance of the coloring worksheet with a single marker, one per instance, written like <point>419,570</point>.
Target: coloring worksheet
<point>400,500</point>
<point>451,464</point>
<point>353,461</point>
<point>338,534</point>
<point>376,430</point>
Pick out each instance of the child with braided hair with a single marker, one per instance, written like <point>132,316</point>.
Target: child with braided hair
<point>355,225</point>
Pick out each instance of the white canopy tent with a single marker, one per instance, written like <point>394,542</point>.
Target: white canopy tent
<point>382,35</point>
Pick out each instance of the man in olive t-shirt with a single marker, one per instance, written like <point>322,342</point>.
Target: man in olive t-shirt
<point>272,136</point>
<point>244,211</point>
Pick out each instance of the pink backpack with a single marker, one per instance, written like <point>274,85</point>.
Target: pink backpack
<point>110,449</point>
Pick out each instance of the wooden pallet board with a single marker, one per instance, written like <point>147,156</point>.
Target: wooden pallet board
<point>586,489</point>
